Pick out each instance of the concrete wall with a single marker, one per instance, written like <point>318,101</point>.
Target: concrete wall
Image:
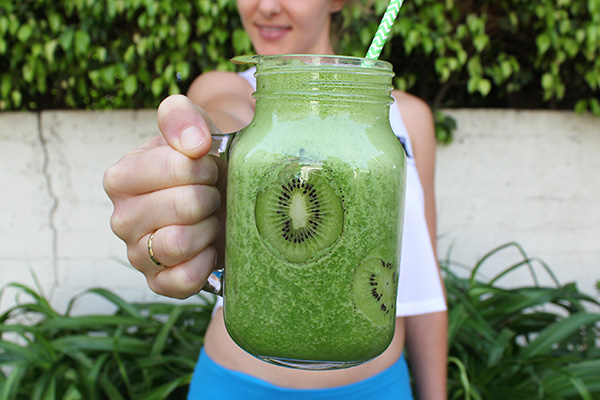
<point>529,177</point>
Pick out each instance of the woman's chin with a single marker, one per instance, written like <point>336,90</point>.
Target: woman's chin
<point>271,50</point>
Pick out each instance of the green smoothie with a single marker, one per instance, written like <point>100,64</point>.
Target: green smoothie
<point>314,212</point>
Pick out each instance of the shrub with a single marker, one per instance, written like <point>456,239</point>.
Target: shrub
<point>526,343</point>
<point>530,342</point>
<point>116,54</point>
<point>110,53</point>
<point>491,53</point>
<point>141,351</point>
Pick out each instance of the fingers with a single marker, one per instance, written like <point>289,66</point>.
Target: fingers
<point>187,254</point>
<point>156,168</point>
<point>137,216</point>
<point>176,244</point>
<point>170,186</point>
<point>185,126</point>
<point>185,279</point>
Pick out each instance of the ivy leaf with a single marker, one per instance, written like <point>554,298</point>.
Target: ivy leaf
<point>55,21</point>
<point>82,42</point>
<point>476,24</point>
<point>480,42</point>
<point>49,48</point>
<point>484,87</point>
<point>441,66</point>
<point>547,81</point>
<point>183,70</point>
<point>183,30</point>
<point>473,84</point>
<point>27,72</point>
<point>543,43</point>
<point>16,98</point>
<point>506,68</point>
<point>594,6</point>
<point>204,6</point>
<point>241,41</point>
<point>581,106</point>
<point>129,55</point>
<point>156,86</point>
<point>174,89</point>
<point>6,85</point>
<point>595,106</point>
<point>427,45</point>
<point>3,24</point>
<point>130,85</point>
<point>24,33</point>
<point>592,79</point>
<point>101,53</point>
<point>571,46</point>
<point>66,39</point>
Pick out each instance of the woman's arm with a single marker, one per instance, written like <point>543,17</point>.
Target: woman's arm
<point>426,334</point>
<point>226,97</point>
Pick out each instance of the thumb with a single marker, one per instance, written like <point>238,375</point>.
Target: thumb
<point>185,126</point>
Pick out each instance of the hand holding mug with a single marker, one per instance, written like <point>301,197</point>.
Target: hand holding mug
<point>166,191</point>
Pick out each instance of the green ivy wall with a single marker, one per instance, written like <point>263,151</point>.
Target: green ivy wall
<point>115,54</point>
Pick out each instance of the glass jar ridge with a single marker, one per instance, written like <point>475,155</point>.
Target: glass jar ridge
<point>333,78</point>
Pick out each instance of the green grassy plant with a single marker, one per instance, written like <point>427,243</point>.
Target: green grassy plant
<point>141,351</point>
<point>530,342</point>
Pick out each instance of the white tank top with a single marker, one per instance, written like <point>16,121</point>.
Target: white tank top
<point>419,286</point>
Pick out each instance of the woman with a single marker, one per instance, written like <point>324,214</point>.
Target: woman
<point>165,193</point>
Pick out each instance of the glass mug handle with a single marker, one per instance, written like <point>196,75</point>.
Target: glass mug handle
<point>221,145</point>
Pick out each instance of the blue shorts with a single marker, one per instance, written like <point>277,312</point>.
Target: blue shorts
<point>213,381</point>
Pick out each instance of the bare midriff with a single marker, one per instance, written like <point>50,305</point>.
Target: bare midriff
<point>222,349</point>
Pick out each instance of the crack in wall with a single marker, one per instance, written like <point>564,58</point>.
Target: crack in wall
<point>53,197</point>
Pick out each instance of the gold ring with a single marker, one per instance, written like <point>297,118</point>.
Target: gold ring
<point>151,252</point>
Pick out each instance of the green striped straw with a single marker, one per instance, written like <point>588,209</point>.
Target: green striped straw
<point>384,29</point>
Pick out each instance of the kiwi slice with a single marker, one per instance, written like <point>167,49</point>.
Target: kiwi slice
<point>299,212</point>
<point>374,286</point>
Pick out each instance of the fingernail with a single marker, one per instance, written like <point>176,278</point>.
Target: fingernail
<point>191,138</point>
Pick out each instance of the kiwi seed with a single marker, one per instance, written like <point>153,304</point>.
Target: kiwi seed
<point>375,287</point>
<point>299,213</point>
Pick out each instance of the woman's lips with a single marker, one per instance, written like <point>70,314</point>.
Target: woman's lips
<point>272,32</point>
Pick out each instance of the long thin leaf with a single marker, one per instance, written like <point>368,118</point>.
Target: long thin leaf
<point>44,387</point>
<point>88,370</point>
<point>458,315</point>
<point>161,339</point>
<point>127,345</point>
<point>120,303</point>
<point>464,379</point>
<point>109,388</point>
<point>41,304</point>
<point>119,361</point>
<point>14,354</point>
<point>493,252</point>
<point>92,322</point>
<point>13,383</point>
<point>528,263</point>
<point>557,332</point>
<point>499,346</point>
<point>163,391</point>
<point>587,372</point>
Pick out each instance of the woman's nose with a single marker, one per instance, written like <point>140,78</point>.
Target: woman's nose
<point>269,7</point>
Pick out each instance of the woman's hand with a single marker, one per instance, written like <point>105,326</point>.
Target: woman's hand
<point>168,186</point>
